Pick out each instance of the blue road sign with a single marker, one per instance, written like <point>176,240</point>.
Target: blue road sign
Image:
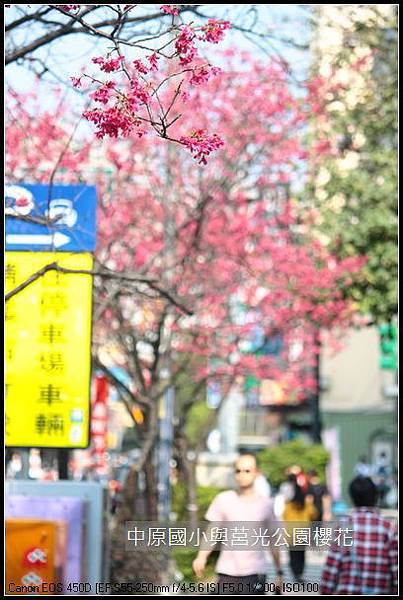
<point>69,209</point>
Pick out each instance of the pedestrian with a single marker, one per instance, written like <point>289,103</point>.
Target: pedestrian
<point>381,475</point>
<point>363,468</point>
<point>284,494</point>
<point>300,475</point>
<point>262,486</point>
<point>321,496</point>
<point>14,467</point>
<point>298,511</point>
<point>35,464</point>
<point>241,571</point>
<point>369,566</point>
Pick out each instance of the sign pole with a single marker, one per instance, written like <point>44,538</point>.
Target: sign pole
<point>24,463</point>
<point>62,463</point>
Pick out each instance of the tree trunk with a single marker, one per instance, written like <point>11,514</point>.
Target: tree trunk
<point>151,490</point>
<point>137,505</point>
<point>127,511</point>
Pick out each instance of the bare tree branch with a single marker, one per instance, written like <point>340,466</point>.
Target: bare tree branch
<point>127,393</point>
<point>44,40</point>
<point>109,275</point>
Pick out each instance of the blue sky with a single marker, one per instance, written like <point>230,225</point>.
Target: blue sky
<point>69,55</point>
<point>66,57</point>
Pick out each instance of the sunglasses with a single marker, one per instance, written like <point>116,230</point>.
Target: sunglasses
<point>242,471</point>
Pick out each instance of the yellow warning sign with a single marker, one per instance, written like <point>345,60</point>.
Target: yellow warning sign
<point>48,351</point>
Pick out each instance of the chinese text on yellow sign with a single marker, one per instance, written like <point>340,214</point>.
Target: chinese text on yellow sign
<point>48,351</point>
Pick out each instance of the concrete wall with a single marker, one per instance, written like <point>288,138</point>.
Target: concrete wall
<point>216,470</point>
<point>353,376</point>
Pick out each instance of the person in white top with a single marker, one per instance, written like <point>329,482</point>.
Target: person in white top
<point>241,571</point>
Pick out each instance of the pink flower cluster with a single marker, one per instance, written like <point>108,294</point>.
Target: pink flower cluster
<point>201,145</point>
<point>137,95</point>
<point>170,9</point>
<point>104,92</point>
<point>120,112</point>
<point>185,45</point>
<point>214,30</point>
<point>110,64</point>
<point>76,81</point>
<point>202,74</point>
<point>153,58</point>
<point>140,66</point>
<point>111,122</point>
<point>68,7</point>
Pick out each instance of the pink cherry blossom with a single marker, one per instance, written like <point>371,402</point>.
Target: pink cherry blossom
<point>108,65</point>
<point>201,145</point>
<point>153,58</point>
<point>214,31</point>
<point>68,7</point>
<point>170,9</point>
<point>202,74</point>
<point>104,92</point>
<point>76,81</point>
<point>111,122</point>
<point>185,46</point>
<point>140,66</point>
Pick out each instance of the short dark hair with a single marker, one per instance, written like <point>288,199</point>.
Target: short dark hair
<point>250,454</point>
<point>363,491</point>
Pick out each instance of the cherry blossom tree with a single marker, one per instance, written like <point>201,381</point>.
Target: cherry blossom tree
<point>131,75</point>
<point>220,239</point>
<point>138,52</point>
<point>217,237</point>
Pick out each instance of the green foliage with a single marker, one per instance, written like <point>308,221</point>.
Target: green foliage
<point>186,389</point>
<point>366,221</point>
<point>196,420</point>
<point>274,461</point>
<point>185,556</point>
<point>205,496</point>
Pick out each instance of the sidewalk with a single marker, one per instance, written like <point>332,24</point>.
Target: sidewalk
<point>314,563</point>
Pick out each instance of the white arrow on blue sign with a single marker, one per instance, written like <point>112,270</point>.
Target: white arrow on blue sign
<point>71,210</point>
<point>21,239</point>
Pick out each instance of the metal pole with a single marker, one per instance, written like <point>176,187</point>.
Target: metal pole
<point>62,463</point>
<point>315,399</point>
<point>24,473</point>
<point>165,422</point>
<point>164,454</point>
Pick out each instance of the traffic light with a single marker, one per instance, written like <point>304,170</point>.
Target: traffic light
<point>388,338</point>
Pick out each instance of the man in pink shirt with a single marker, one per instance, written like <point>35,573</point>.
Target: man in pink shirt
<point>241,571</point>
